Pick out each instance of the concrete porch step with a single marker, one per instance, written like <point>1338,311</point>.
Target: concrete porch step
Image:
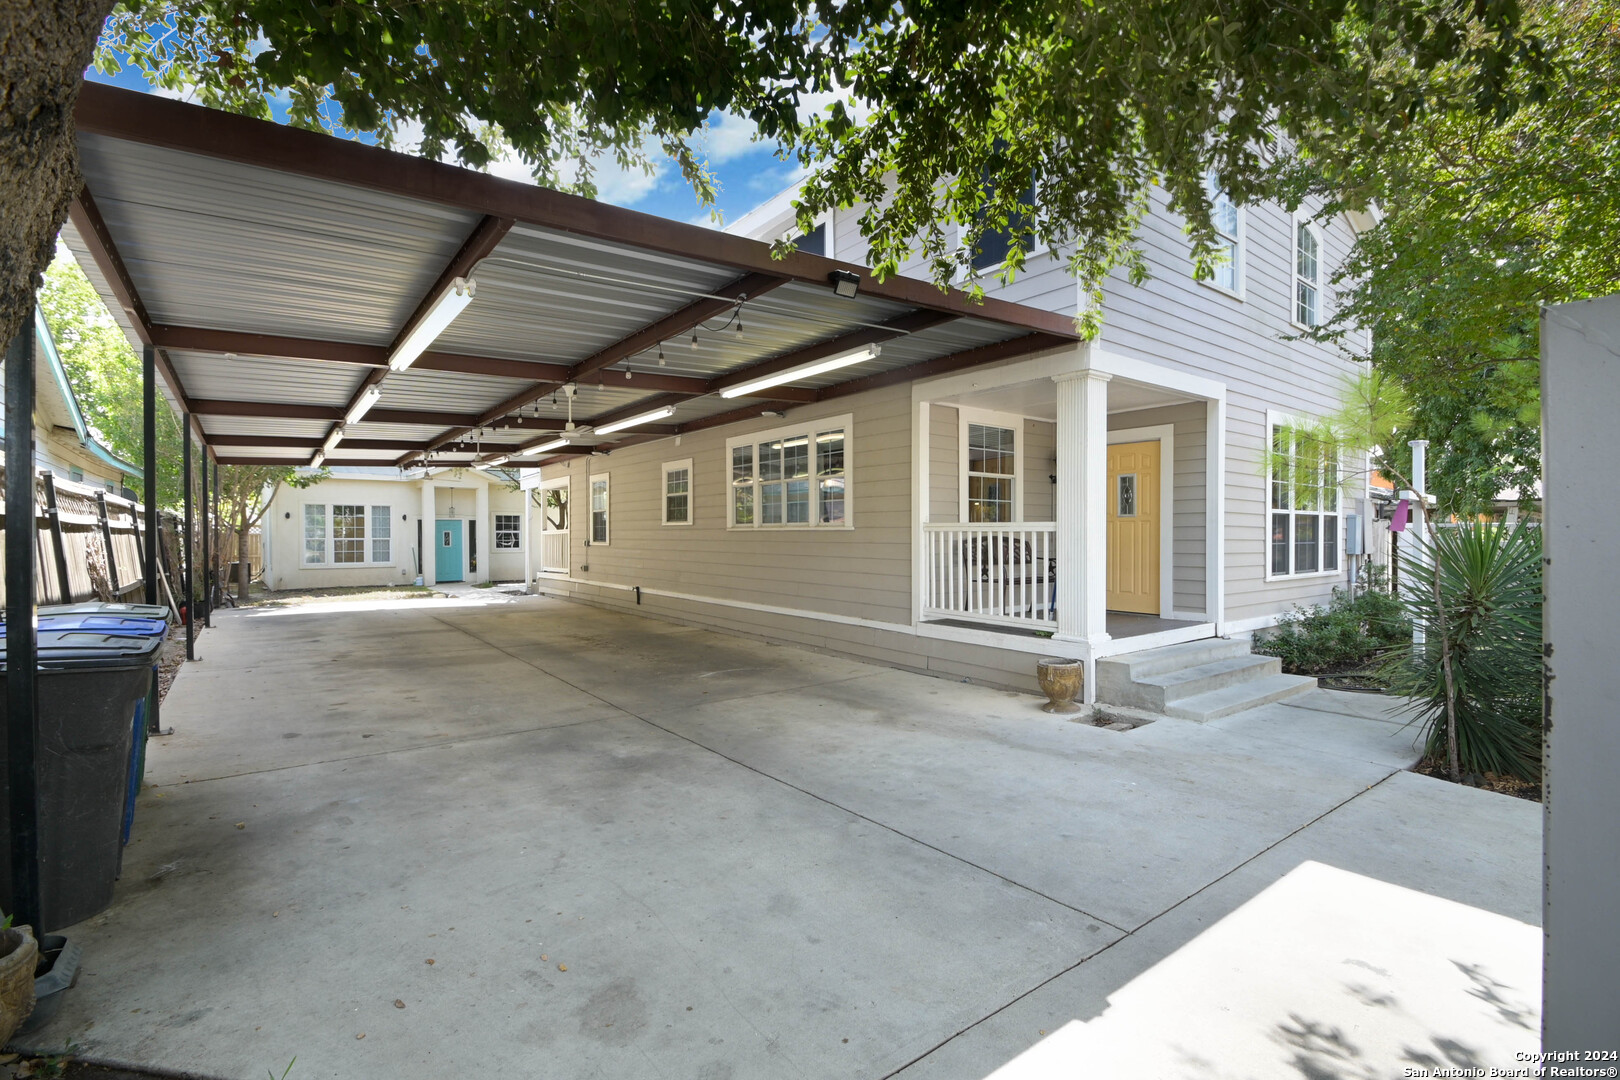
<point>1173,686</point>
<point>1138,665</point>
<point>1213,704</point>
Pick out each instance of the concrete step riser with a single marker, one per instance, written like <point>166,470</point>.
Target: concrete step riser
<point>1175,657</point>
<point>1274,689</point>
<point>1261,667</point>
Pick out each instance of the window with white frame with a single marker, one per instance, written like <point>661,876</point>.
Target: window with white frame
<point>1224,215</point>
<point>992,469</point>
<point>677,492</point>
<point>1304,483</point>
<point>599,509</point>
<point>508,532</point>
<point>1307,274</point>
<point>795,477</point>
<point>348,534</point>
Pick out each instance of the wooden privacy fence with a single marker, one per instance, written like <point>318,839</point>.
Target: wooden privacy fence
<point>89,545</point>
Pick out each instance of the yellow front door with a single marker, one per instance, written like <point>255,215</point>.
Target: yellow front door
<point>1133,527</point>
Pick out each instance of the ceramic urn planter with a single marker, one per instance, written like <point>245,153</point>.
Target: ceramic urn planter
<point>1060,680</point>
<point>21,955</point>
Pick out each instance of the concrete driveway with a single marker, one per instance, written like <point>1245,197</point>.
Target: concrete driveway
<point>573,843</point>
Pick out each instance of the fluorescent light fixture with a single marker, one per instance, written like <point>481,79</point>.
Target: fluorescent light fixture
<point>499,459</point>
<point>318,460</point>
<point>455,298</point>
<point>554,444</point>
<point>368,398</point>
<point>644,418</point>
<point>804,371</point>
<point>332,440</point>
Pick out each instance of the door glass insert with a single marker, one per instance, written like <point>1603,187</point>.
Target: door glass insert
<point>1127,495</point>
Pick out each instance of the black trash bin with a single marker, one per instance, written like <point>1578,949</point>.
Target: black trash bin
<point>89,685</point>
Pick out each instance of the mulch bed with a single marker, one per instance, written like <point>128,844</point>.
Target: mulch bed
<point>1504,785</point>
<point>170,659</point>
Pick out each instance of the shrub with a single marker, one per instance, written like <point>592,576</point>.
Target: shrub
<point>1476,682</point>
<point>1350,631</point>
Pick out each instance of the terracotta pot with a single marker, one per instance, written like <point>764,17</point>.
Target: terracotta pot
<point>17,964</point>
<point>1060,680</point>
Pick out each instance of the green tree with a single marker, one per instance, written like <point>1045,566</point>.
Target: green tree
<point>969,100</point>
<point>1480,224</point>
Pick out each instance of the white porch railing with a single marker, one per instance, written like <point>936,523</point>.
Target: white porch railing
<point>1001,573</point>
<point>554,552</point>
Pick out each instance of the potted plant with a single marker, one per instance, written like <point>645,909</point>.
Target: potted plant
<point>19,956</point>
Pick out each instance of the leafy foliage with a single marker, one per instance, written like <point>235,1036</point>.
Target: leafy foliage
<point>943,114</point>
<point>1351,630</point>
<point>105,373</point>
<point>1477,680</point>
<point>1481,223</point>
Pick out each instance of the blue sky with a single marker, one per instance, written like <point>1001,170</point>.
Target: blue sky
<point>748,172</point>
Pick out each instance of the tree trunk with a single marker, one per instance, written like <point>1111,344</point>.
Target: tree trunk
<point>242,584</point>
<point>45,45</point>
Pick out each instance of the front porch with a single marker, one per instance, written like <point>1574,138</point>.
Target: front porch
<point>1075,497</point>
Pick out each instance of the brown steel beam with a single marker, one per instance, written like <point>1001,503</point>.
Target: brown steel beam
<point>201,339</point>
<point>984,354</point>
<point>92,229</point>
<point>273,410</point>
<point>485,238</point>
<point>156,121</point>
<point>303,460</point>
<point>747,412</point>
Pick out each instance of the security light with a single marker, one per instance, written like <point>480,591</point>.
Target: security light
<point>803,371</point>
<point>455,298</point>
<point>844,283</point>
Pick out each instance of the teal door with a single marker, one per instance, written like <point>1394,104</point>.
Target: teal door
<point>447,561</point>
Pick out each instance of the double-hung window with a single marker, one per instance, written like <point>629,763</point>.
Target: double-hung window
<point>677,504</point>
<point>1304,497</point>
<point>599,509</point>
<point>1228,270</point>
<point>508,532</point>
<point>1307,275</point>
<point>992,467</point>
<point>348,534</point>
<point>795,477</point>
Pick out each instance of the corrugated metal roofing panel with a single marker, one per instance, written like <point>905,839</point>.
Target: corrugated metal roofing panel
<point>258,425</point>
<point>307,382</point>
<point>217,244</point>
<point>366,429</point>
<point>444,391</point>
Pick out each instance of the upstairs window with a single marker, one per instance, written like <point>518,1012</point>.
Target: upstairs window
<point>1224,216</point>
<point>994,244</point>
<point>1307,275</point>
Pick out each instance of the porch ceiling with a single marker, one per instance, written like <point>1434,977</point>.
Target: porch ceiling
<point>1036,398</point>
<point>273,271</point>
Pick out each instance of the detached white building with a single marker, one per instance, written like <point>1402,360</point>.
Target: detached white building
<point>371,526</point>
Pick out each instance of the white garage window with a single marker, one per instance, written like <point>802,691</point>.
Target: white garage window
<point>348,534</point>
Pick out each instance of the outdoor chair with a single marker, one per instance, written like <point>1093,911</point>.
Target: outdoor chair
<point>1001,563</point>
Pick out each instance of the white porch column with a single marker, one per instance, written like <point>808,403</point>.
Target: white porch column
<point>528,538</point>
<point>1082,508</point>
<point>430,532</point>
<point>486,534</point>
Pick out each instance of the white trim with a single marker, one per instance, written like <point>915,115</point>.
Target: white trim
<point>1296,221</point>
<point>590,510</point>
<point>1066,359</point>
<point>663,492</point>
<point>1140,642</point>
<point>921,482</point>
<point>1215,512</point>
<point>966,415</point>
<point>1165,435</point>
<point>1239,627</point>
<point>810,427</point>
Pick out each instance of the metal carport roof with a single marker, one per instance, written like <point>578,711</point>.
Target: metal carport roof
<point>273,270</point>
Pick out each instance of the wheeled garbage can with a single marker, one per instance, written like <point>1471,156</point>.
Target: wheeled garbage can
<point>90,683</point>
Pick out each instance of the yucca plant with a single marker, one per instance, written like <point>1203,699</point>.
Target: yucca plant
<point>1476,681</point>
